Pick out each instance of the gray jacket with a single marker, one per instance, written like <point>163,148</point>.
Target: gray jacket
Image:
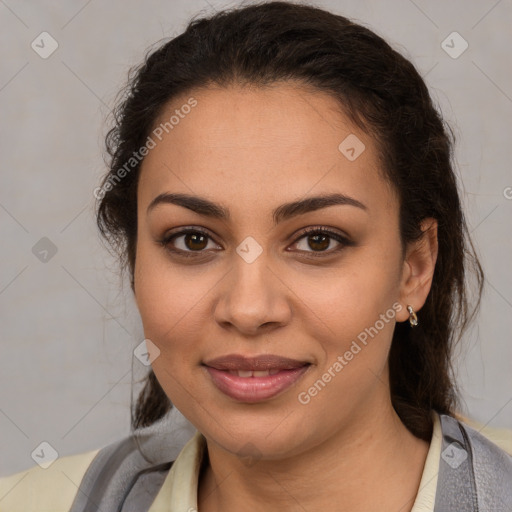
<point>475,475</point>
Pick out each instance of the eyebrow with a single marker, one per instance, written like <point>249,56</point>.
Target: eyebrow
<point>286,211</point>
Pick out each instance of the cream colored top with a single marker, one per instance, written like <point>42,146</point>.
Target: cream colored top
<point>54,489</point>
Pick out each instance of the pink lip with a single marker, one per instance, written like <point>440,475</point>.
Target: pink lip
<point>255,389</point>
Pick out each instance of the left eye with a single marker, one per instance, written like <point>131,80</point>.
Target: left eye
<point>319,240</point>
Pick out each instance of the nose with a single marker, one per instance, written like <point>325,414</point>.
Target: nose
<point>252,298</point>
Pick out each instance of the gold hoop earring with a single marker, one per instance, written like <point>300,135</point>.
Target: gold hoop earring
<point>413,319</point>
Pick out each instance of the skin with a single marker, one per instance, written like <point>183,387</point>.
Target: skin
<point>252,150</point>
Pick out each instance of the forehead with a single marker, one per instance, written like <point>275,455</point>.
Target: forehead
<point>253,145</point>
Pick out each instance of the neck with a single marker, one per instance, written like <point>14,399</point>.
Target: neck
<point>373,463</point>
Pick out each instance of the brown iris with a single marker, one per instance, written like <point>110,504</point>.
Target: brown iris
<point>320,242</point>
<point>196,241</point>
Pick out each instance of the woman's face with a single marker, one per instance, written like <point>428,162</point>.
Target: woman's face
<point>252,283</point>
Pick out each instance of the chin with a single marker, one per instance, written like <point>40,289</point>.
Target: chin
<point>258,440</point>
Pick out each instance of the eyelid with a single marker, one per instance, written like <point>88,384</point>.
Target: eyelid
<point>321,229</point>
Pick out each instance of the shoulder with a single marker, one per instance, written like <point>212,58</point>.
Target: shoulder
<point>475,471</point>
<point>501,437</point>
<point>133,467</point>
<point>55,486</point>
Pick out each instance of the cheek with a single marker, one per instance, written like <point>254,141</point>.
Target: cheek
<point>168,306</point>
<point>167,296</point>
<point>177,318</point>
<point>350,310</point>
<point>351,296</point>
<point>354,334</point>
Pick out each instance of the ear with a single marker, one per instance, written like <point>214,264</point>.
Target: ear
<point>418,269</point>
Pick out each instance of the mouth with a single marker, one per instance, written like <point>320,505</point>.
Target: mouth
<point>254,379</point>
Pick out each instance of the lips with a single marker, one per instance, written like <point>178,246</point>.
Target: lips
<point>254,379</point>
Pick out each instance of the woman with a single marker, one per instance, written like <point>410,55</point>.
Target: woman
<point>282,194</point>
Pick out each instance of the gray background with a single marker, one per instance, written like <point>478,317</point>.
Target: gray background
<point>68,325</point>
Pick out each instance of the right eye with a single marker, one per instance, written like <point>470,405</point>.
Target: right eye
<point>187,242</point>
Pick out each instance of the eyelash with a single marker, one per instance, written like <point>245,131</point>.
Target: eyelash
<point>344,241</point>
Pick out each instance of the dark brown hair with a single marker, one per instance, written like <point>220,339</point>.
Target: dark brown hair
<point>384,95</point>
